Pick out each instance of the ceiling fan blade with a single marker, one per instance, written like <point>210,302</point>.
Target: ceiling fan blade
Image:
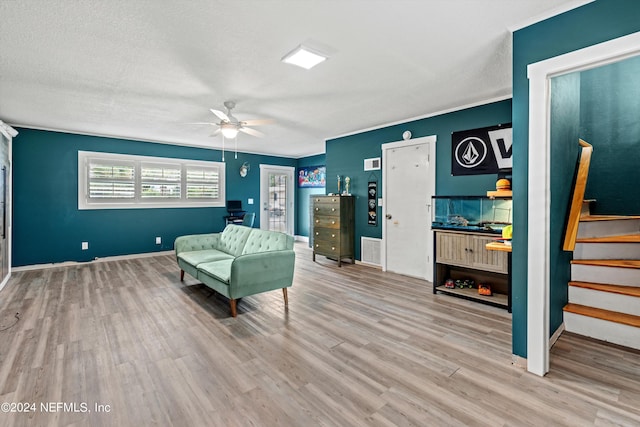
<point>202,123</point>
<point>258,122</point>
<point>220,114</point>
<point>216,133</point>
<point>252,132</point>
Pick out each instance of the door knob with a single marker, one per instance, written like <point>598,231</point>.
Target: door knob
<point>388,216</point>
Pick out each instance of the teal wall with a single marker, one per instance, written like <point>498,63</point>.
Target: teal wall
<point>303,195</point>
<point>49,228</point>
<point>345,157</point>
<point>610,120</point>
<point>593,23</point>
<point>565,128</point>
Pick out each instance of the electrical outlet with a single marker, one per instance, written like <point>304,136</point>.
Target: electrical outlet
<point>158,240</point>
<point>250,201</point>
<point>85,246</point>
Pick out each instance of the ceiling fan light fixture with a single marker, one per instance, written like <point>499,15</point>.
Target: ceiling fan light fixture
<point>229,130</point>
<point>304,57</point>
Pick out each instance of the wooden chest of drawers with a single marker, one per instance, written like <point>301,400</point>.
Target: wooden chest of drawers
<point>333,227</point>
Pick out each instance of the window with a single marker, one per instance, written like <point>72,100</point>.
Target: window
<point>116,181</point>
<point>202,183</point>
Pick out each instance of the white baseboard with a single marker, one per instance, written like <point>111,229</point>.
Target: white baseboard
<point>556,335</point>
<point>105,259</point>
<point>302,238</point>
<point>367,264</point>
<point>6,279</point>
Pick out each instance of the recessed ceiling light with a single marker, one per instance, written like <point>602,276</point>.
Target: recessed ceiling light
<point>304,57</point>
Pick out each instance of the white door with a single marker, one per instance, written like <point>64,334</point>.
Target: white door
<point>408,180</point>
<point>276,198</point>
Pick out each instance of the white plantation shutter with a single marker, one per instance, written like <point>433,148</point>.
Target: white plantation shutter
<point>114,181</point>
<point>111,180</point>
<point>158,181</point>
<point>203,182</point>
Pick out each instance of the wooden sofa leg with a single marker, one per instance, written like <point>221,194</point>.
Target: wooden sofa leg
<point>182,275</point>
<point>286,297</point>
<point>232,304</point>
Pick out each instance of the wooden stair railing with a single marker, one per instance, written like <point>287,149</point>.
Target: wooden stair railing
<point>578,196</point>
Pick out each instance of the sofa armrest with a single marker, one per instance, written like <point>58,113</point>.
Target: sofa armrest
<point>260,272</point>
<point>196,242</point>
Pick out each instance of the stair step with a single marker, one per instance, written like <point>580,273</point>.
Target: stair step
<point>608,315</point>
<point>604,287</point>
<point>607,225</point>
<point>618,263</point>
<point>606,325</point>
<point>608,218</point>
<point>624,238</point>
<point>608,271</point>
<point>612,247</point>
<point>622,299</point>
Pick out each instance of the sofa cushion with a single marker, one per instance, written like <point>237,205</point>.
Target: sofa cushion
<point>219,270</point>
<point>206,255</point>
<point>265,241</point>
<point>233,239</point>
<point>196,242</point>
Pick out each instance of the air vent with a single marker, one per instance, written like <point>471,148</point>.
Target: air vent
<point>370,251</point>
<point>372,164</point>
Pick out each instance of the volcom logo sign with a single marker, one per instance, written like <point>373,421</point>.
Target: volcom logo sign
<point>471,152</point>
<point>481,151</point>
<point>502,144</point>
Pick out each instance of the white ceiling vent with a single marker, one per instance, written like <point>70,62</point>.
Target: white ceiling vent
<point>372,164</point>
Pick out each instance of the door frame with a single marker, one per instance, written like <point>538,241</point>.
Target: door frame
<point>539,190</point>
<point>9,133</point>
<point>291,193</point>
<point>431,191</point>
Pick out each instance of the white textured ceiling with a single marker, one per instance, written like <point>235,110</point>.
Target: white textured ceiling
<point>143,69</point>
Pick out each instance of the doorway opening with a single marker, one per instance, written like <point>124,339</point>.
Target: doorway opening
<point>539,188</point>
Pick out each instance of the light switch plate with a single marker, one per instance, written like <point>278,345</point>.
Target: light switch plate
<point>250,201</point>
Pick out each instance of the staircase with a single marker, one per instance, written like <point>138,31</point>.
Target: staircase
<point>604,292</point>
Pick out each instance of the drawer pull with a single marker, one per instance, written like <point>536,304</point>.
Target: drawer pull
<point>317,208</point>
<point>317,221</point>
<point>333,200</point>
<point>333,248</point>
<point>333,209</point>
<point>333,222</point>
<point>333,235</point>
<point>317,246</point>
<point>317,234</point>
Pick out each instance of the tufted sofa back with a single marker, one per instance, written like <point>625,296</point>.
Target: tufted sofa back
<point>263,241</point>
<point>233,239</point>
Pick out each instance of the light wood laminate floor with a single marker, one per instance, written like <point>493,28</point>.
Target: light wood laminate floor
<point>356,347</point>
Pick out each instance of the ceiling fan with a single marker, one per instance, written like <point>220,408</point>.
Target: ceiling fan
<point>229,126</point>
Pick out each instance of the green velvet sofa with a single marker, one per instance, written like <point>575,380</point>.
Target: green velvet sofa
<point>238,262</point>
